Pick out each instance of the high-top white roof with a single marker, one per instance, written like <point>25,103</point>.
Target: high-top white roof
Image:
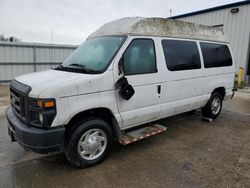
<point>159,27</point>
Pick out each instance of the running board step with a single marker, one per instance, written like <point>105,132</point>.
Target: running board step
<point>139,134</point>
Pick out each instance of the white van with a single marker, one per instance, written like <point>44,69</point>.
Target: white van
<point>127,74</point>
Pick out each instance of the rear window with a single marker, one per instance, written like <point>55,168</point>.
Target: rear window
<point>215,55</point>
<point>181,55</point>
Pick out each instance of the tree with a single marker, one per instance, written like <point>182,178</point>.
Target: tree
<point>2,38</point>
<point>10,39</point>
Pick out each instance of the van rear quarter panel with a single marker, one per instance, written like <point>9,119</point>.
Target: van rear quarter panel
<point>193,91</point>
<point>186,90</point>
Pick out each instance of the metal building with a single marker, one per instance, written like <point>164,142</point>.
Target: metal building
<point>234,20</point>
<point>18,58</point>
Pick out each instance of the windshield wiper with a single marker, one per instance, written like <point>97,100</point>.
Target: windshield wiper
<point>83,68</point>
<point>77,65</point>
<point>74,67</point>
<point>59,67</point>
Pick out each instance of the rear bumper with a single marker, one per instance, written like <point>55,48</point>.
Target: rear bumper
<point>35,139</point>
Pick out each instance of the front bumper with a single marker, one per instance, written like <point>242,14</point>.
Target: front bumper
<point>35,139</point>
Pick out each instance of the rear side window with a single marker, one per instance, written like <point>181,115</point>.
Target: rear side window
<point>181,55</point>
<point>139,58</point>
<point>215,55</point>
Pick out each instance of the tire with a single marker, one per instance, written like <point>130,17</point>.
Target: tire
<point>89,144</point>
<point>213,107</point>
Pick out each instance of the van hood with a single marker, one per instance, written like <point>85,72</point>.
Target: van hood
<point>39,81</point>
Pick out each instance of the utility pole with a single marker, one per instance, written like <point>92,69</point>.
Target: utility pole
<point>51,48</point>
<point>51,36</point>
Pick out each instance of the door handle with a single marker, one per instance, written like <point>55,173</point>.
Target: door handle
<point>159,89</point>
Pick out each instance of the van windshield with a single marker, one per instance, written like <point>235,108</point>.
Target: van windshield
<point>94,55</point>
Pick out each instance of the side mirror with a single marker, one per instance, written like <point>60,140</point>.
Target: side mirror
<point>121,66</point>
<point>126,90</point>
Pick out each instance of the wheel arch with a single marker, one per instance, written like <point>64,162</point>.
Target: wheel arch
<point>220,90</point>
<point>100,112</point>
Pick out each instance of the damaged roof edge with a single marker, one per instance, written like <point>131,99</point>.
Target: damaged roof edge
<point>160,27</point>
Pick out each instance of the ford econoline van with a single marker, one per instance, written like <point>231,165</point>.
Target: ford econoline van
<point>128,73</point>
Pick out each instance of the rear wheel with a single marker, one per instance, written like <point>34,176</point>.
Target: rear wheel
<point>213,107</point>
<point>89,143</point>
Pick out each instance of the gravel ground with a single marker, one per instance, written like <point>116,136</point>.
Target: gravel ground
<point>4,99</point>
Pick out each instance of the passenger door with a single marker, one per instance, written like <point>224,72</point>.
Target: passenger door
<point>140,69</point>
<point>183,82</point>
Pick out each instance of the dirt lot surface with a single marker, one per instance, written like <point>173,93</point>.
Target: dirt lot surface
<point>192,153</point>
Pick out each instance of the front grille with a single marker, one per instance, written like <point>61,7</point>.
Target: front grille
<point>19,98</point>
<point>17,102</point>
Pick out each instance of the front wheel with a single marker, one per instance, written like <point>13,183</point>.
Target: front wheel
<point>89,144</point>
<point>213,107</point>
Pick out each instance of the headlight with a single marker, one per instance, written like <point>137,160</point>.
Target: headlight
<point>42,112</point>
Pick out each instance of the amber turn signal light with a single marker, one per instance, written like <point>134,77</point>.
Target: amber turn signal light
<point>39,104</point>
<point>45,104</point>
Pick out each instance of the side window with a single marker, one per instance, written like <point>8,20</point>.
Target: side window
<point>181,55</point>
<point>139,58</point>
<point>215,55</point>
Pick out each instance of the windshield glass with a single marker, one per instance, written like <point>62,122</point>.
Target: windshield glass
<point>96,53</point>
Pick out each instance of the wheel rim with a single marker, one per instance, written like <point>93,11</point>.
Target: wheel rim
<point>216,105</point>
<point>92,144</point>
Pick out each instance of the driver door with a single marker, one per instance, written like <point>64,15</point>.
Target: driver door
<point>140,69</point>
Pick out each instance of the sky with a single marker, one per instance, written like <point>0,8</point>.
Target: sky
<point>71,21</point>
